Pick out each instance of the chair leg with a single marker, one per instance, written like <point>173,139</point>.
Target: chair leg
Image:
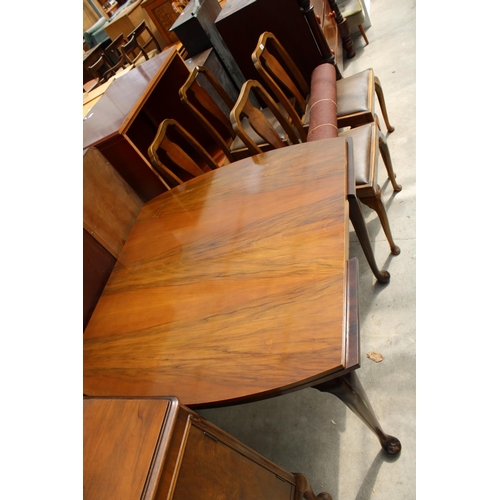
<point>375,203</point>
<point>386,157</point>
<point>358,222</point>
<point>381,100</point>
<point>360,26</point>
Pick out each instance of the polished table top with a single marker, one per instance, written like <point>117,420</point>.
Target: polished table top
<point>231,287</point>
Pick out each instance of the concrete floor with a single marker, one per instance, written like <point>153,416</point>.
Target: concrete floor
<point>312,432</point>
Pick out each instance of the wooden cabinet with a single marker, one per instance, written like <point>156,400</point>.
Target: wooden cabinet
<point>123,122</point>
<point>241,22</point>
<point>158,449</point>
<point>330,29</point>
<point>163,16</point>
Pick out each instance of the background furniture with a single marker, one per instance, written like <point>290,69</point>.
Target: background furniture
<point>92,96</point>
<point>116,54</point>
<point>352,11</point>
<point>163,15</point>
<point>329,26</point>
<point>128,18</point>
<point>210,60</point>
<point>343,28</point>
<point>125,119</point>
<point>196,29</point>
<point>156,449</point>
<point>101,70</point>
<point>241,22</point>
<point>189,27</point>
<point>91,56</point>
<point>235,286</point>
<point>146,39</point>
<point>135,53</point>
<point>96,33</point>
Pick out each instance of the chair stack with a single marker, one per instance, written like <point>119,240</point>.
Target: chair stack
<point>125,53</point>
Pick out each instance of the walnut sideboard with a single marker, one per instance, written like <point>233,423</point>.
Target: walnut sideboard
<point>156,448</point>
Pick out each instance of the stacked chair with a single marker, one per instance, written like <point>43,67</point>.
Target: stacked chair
<point>102,69</point>
<point>124,52</point>
<point>138,48</point>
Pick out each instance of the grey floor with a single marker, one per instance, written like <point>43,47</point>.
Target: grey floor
<point>314,433</point>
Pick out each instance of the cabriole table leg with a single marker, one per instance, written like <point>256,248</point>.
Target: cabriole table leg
<point>349,390</point>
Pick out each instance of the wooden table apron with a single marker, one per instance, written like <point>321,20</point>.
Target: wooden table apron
<point>231,287</point>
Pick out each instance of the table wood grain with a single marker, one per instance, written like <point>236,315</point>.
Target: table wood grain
<point>231,287</point>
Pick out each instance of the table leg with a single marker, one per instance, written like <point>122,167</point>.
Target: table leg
<point>349,390</point>
<point>303,490</point>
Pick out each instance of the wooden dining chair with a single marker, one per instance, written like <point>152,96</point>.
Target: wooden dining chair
<point>206,98</point>
<point>145,38</point>
<point>367,143</point>
<point>101,70</point>
<point>245,109</point>
<point>116,54</point>
<point>355,94</point>
<point>177,156</point>
<point>134,52</point>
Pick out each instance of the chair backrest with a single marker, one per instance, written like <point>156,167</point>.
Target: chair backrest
<point>245,108</point>
<point>134,52</point>
<point>176,155</point>
<point>115,52</point>
<point>283,77</point>
<point>101,70</point>
<point>145,37</point>
<point>208,112</point>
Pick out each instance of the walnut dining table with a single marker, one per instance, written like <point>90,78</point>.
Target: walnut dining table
<point>237,286</point>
